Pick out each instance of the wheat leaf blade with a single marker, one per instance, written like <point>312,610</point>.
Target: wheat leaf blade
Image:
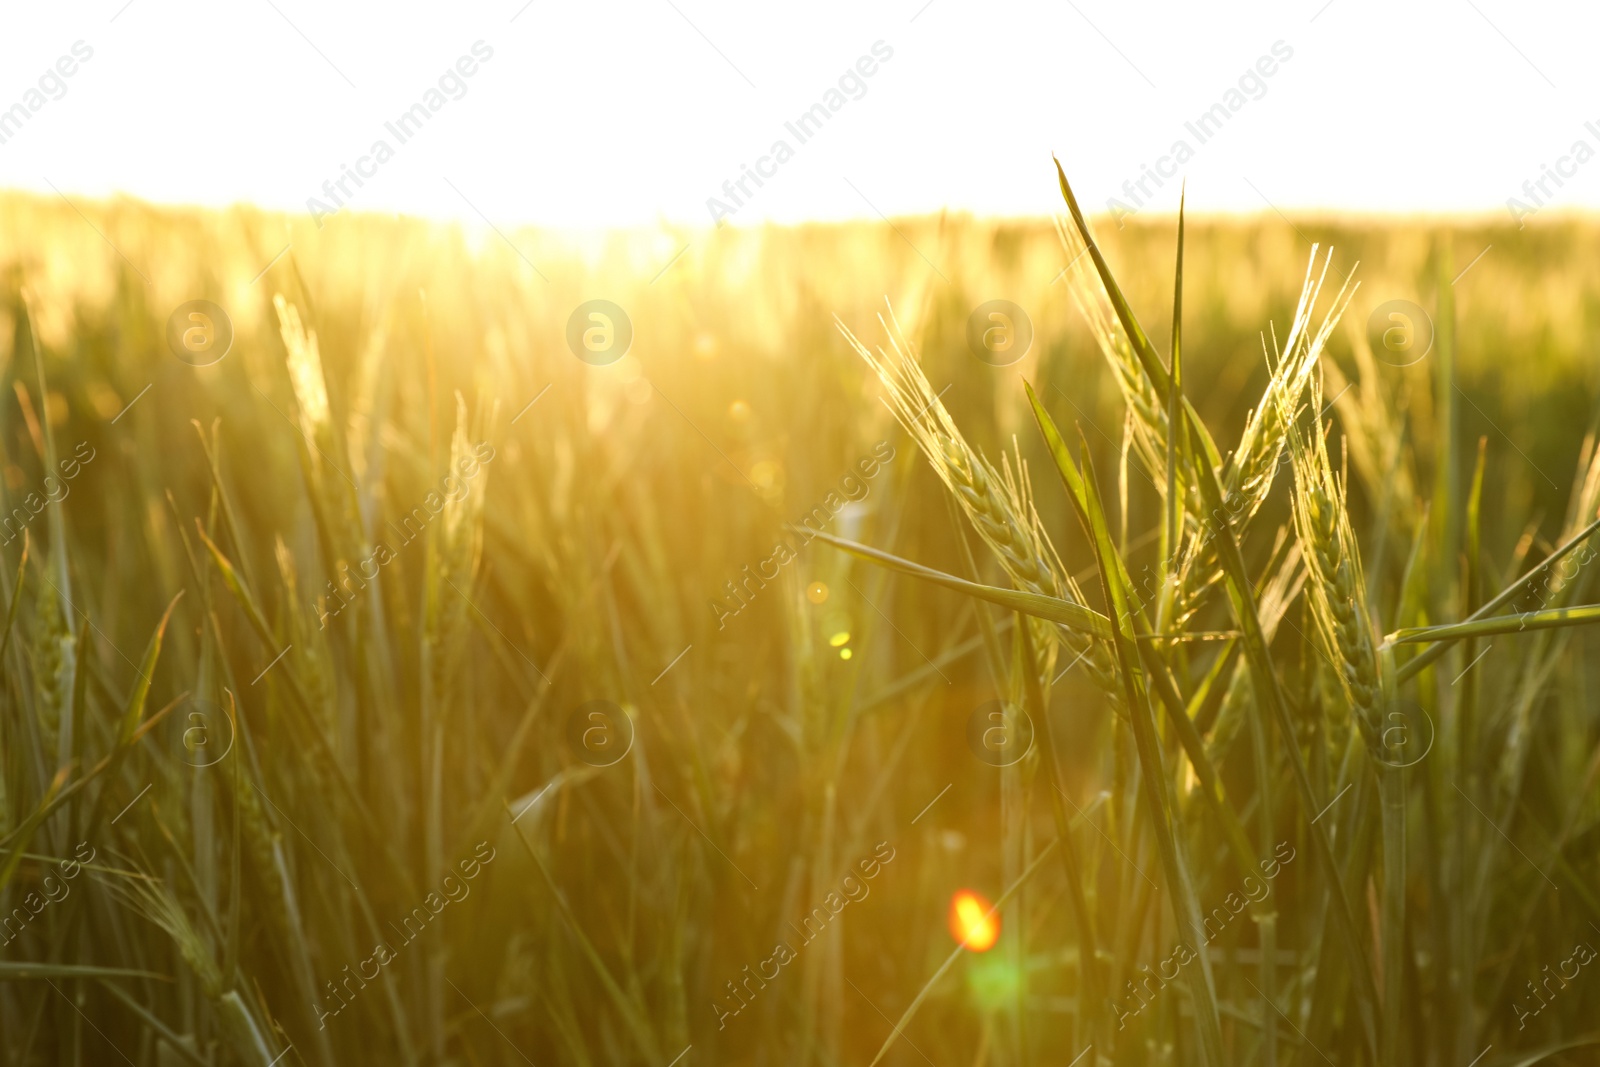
<point>1076,616</point>
<point>1547,619</point>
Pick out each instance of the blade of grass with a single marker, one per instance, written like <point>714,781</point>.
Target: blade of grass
<point>1154,781</point>
<point>1268,690</point>
<point>88,776</point>
<point>314,729</point>
<point>172,1037</point>
<point>632,1014</point>
<point>1412,667</point>
<point>1392,798</point>
<point>1547,619</point>
<point>16,598</point>
<point>24,833</point>
<point>1088,948</point>
<point>1174,506</point>
<point>1160,675</point>
<point>1075,616</point>
<point>17,970</point>
<point>132,713</point>
<point>1240,590</point>
<point>1137,338</point>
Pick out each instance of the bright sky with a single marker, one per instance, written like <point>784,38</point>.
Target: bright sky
<point>636,112</point>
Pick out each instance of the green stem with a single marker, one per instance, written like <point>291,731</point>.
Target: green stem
<point>1391,790</point>
<point>1266,916</point>
<point>1093,1004</point>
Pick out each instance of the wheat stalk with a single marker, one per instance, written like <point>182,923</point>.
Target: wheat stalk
<point>998,503</point>
<point>1336,585</point>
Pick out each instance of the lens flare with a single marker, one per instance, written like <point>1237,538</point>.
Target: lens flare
<point>973,921</point>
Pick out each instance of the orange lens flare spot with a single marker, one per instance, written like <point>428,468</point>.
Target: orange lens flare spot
<point>971,921</point>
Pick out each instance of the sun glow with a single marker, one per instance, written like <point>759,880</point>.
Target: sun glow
<point>973,921</point>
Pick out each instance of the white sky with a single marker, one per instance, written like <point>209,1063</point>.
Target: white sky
<point>637,112</point>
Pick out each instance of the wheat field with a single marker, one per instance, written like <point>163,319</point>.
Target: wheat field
<point>404,665</point>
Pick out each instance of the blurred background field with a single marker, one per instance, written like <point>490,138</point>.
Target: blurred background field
<point>772,752</point>
<point>748,314</point>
